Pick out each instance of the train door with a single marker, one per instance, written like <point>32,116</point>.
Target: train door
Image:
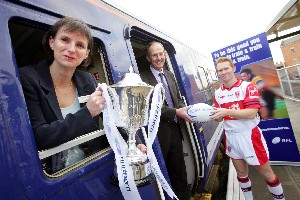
<point>137,40</point>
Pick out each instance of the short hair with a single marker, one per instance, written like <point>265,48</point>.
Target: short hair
<point>69,24</point>
<point>224,59</point>
<point>247,71</point>
<point>151,43</point>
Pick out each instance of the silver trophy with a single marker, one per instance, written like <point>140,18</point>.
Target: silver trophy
<point>130,99</point>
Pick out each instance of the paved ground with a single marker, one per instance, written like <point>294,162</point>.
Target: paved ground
<point>294,114</point>
<point>289,176</point>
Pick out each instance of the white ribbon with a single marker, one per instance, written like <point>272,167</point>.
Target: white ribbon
<point>119,146</point>
<point>154,119</point>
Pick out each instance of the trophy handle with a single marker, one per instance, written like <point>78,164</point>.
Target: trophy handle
<point>117,112</point>
<point>148,102</point>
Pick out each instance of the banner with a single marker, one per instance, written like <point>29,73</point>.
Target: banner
<point>246,52</point>
<point>253,60</point>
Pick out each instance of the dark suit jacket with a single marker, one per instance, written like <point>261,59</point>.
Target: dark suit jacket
<point>167,113</point>
<point>49,126</point>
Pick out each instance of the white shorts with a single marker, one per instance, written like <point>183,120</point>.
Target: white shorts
<point>250,146</point>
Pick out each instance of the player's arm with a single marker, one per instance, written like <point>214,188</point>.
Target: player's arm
<point>216,106</point>
<point>248,113</point>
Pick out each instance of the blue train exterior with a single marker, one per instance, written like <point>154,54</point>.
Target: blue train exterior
<point>121,40</point>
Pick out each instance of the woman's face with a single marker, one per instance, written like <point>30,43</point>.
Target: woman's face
<point>69,48</point>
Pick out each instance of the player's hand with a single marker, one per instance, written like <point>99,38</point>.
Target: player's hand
<point>218,113</point>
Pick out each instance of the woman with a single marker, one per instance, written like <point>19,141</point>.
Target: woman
<point>52,88</point>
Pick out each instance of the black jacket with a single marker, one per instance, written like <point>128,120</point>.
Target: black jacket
<point>49,127</point>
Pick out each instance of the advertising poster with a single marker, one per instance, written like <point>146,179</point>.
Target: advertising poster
<point>253,60</point>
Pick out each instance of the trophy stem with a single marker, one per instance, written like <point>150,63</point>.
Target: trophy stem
<point>131,142</point>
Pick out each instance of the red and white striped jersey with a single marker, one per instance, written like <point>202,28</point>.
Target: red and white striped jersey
<point>240,96</point>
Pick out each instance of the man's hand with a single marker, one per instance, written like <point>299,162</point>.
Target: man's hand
<point>142,148</point>
<point>182,113</point>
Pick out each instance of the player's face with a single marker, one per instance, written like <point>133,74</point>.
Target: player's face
<point>225,71</point>
<point>245,76</point>
<point>157,56</point>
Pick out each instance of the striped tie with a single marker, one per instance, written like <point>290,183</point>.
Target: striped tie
<point>167,92</point>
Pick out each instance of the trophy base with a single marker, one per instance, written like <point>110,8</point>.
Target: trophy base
<point>141,173</point>
<point>139,183</point>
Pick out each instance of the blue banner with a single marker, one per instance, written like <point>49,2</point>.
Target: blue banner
<point>280,140</point>
<point>246,52</point>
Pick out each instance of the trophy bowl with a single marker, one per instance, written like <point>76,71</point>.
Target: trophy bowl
<point>130,100</point>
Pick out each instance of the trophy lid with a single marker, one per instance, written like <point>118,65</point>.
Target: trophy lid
<point>130,79</point>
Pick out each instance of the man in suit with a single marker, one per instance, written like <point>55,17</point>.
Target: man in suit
<point>173,114</point>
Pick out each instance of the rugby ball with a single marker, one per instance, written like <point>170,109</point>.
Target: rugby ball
<point>200,112</point>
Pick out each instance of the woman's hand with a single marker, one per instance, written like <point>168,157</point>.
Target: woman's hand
<point>95,103</point>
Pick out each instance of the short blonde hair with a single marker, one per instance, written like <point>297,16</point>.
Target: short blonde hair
<point>224,59</point>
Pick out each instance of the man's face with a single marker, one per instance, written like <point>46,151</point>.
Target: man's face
<point>225,71</point>
<point>157,56</point>
<point>245,76</point>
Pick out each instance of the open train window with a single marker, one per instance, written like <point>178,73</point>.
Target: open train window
<point>26,37</point>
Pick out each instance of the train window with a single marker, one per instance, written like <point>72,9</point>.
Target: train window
<point>208,87</point>
<point>140,52</point>
<point>203,76</point>
<point>26,38</point>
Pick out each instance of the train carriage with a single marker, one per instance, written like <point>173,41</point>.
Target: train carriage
<point>120,41</point>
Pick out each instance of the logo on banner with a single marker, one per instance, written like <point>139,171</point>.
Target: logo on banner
<point>276,140</point>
